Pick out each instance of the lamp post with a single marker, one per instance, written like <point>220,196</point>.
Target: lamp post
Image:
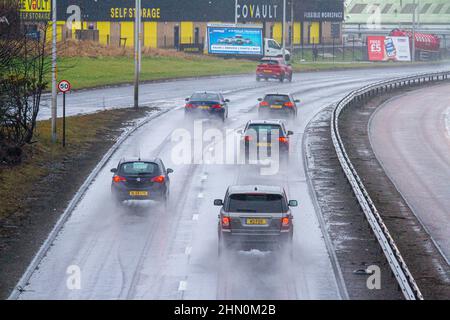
<point>54,93</point>
<point>413,40</point>
<point>137,52</point>
<point>284,29</point>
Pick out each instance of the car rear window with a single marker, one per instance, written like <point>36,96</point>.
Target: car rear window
<point>270,62</point>
<point>274,99</point>
<point>257,203</point>
<point>205,97</point>
<point>138,168</point>
<point>265,128</point>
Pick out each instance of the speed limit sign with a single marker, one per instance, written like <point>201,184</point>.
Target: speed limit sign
<point>64,86</point>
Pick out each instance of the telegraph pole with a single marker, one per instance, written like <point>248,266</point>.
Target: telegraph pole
<point>413,40</point>
<point>137,51</point>
<point>54,92</point>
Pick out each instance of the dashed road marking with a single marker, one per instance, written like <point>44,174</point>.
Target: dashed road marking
<point>188,251</point>
<point>195,217</point>
<point>182,286</point>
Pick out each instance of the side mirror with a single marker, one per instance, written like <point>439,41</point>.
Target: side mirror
<point>218,202</point>
<point>293,203</point>
<point>169,170</point>
<point>114,170</point>
<point>260,99</point>
<point>187,99</point>
<point>297,101</point>
<point>227,100</point>
<point>240,131</point>
<point>290,133</point>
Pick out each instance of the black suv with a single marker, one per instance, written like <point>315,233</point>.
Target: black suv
<point>279,104</point>
<point>207,103</point>
<point>255,215</point>
<point>140,179</point>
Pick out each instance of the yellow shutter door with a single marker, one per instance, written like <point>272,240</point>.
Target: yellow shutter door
<point>277,32</point>
<point>314,37</point>
<point>151,34</point>
<point>104,31</point>
<point>127,31</point>
<point>187,32</point>
<point>297,32</point>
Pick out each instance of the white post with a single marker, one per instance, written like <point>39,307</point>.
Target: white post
<point>137,51</point>
<point>54,92</point>
<point>236,12</point>
<point>284,29</point>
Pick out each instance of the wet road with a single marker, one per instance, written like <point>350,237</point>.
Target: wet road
<point>141,251</point>
<point>411,137</point>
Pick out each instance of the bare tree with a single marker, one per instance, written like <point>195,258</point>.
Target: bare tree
<point>23,67</point>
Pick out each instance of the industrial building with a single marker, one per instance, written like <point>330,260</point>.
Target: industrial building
<point>174,23</point>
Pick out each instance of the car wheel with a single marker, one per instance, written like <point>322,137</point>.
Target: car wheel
<point>282,78</point>
<point>258,79</point>
<point>290,78</point>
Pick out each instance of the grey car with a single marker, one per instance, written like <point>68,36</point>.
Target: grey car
<point>254,216</point>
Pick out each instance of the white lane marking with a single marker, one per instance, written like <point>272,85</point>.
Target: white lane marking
<point>447,121</point>
<point>182,286</point>
<point>195,217</point>
<point>204,177</point>
<point>200,195</point>
<point>188,251</point>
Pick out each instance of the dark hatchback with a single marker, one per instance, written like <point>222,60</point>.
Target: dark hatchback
<point>140,179</point>
<point>279,104</point>
<point>207,103</point>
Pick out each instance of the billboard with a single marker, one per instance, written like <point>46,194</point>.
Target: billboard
<point>35,10</point>
<point>381,48</point>
<point>230,40</point>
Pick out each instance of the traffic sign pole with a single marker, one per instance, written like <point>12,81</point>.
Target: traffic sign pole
<point>64,86</point>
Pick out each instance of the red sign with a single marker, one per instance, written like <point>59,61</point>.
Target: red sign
<point>375,47</point>
<point>64,86</point>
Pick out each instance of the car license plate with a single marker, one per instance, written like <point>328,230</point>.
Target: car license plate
<point>138,193</point>
<point>267,71</point>
<point>263,144</point>
<point>204,107</point>
<point>258,222</point>
<point>276,106</point>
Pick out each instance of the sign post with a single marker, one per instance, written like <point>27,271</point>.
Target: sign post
<point>64,86</point>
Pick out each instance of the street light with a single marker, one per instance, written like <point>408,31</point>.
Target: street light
<point>137,52</point>
<point>284,29</point>
<point>54,98</point>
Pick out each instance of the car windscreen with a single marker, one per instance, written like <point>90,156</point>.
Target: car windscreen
<point>276,99</point>
<point>139,168</point>
<point>205,97</point>
<point>257,203</point>
<point>264,129</point>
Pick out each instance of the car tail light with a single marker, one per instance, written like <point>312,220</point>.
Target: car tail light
<point>158,179</point>
<point>216,106</point>
<point>264,104</point>
<point>226,221</point>
<point>283,139</point>
<point>118,179</point>
<point>289,104</point>
<point>189,106</point>
<point>285,222</point>
<point>248,138</point>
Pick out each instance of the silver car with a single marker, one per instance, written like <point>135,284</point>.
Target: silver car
<point>253,216</point>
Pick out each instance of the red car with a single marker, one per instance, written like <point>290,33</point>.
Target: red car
<point>274,68</point>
